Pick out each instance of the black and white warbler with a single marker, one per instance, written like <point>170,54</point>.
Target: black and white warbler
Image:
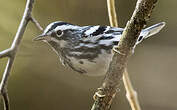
<point>87,49</point>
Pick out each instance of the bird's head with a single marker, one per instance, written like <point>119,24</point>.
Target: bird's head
<point>57,31</point>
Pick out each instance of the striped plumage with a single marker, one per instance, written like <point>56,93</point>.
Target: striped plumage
<point>87,49</point>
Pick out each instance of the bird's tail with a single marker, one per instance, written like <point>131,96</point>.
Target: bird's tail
<point>152,30</point>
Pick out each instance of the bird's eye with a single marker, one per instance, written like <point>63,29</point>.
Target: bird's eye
<point>59,33</point>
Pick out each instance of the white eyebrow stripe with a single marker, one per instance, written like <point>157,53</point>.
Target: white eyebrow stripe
<point>60,27</point>
<point>65,27</point>
<point>48,27</point>
<point>91,30</point>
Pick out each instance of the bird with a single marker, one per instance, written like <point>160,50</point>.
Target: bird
<point>87,49</point>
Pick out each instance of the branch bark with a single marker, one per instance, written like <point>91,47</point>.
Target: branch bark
<point>11,52</point>
<point>107,92</point>
<point>131,94</point>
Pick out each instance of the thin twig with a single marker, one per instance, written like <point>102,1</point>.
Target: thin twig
<point>119,61</point>
<point>131,94</point>
<point>36,23</point>
<point>6,74</point>
<point>112,13</point>
<point>5,99</point>
<point>11,52</point>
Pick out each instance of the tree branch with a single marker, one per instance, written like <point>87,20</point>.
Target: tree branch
<point>6,100</point>
<point>131,94</point>
<point>112,13</point>
<point>11,52</point>
<point>6,53</point>
<point>107,92</point>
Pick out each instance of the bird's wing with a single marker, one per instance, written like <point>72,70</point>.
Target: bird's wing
<point>103,34</point>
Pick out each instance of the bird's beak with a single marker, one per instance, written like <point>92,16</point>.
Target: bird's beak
<point>40,37</point>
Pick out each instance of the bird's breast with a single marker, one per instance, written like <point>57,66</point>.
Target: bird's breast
<point>91,67</point>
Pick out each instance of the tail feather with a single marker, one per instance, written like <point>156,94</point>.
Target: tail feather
<point>152,30</point>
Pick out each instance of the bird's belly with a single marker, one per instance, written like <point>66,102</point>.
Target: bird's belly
<point>97,67</point>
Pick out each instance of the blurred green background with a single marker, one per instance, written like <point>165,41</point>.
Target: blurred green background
<point>39,82</point>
